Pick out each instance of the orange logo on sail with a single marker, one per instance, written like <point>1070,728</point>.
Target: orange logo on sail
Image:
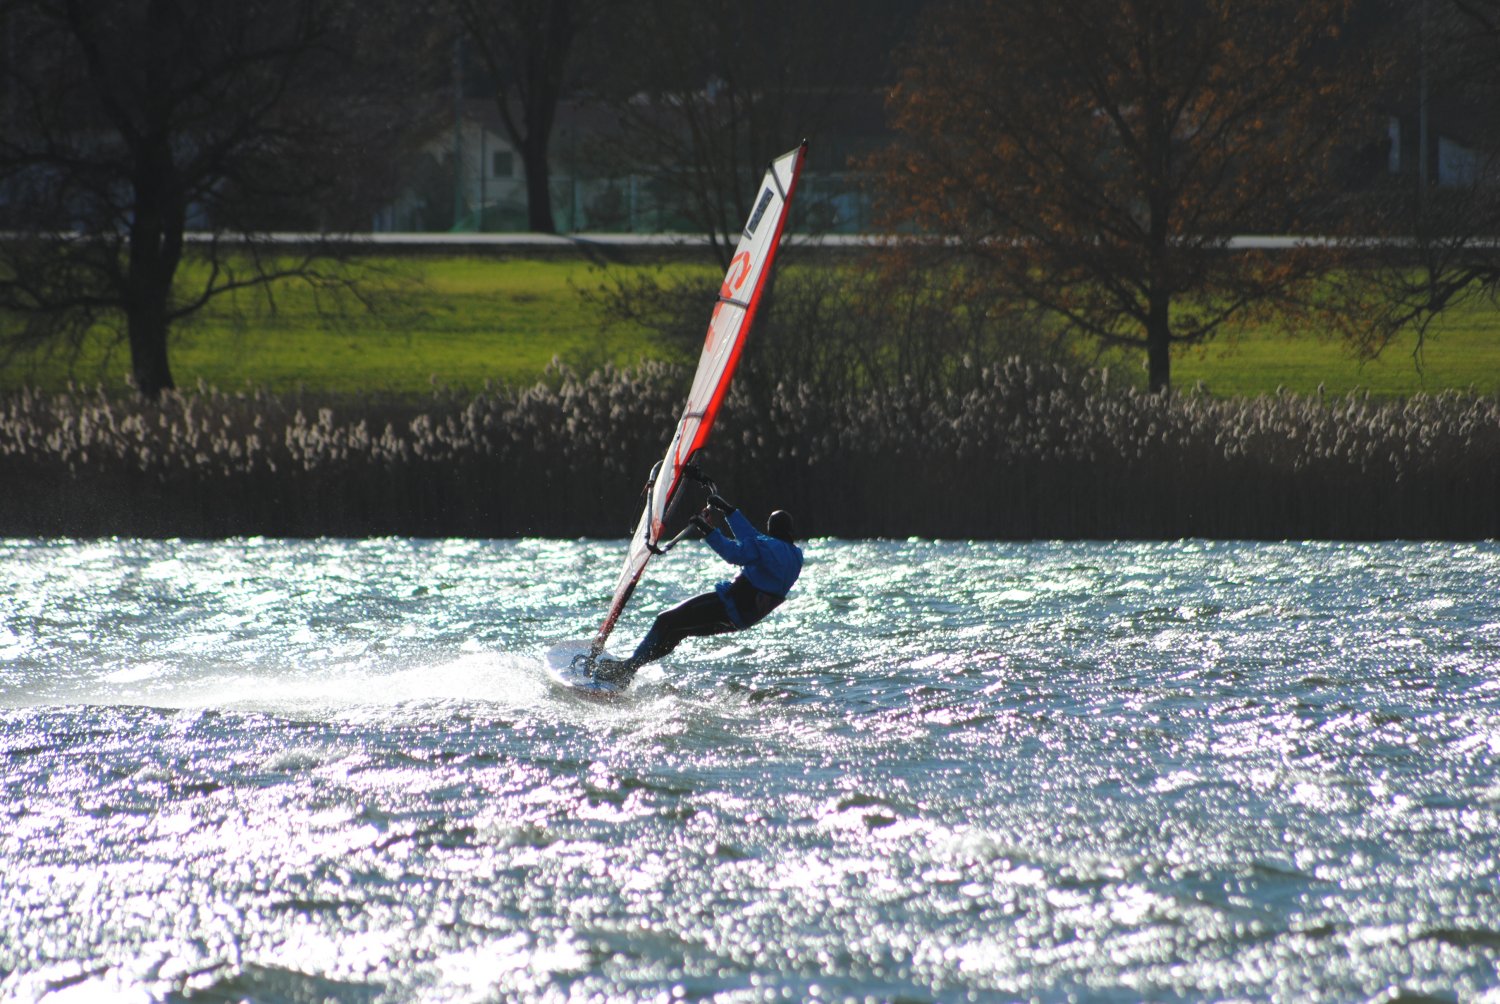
<point>739,271</point>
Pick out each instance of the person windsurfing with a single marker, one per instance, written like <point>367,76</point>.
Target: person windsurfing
<point>770,564</point>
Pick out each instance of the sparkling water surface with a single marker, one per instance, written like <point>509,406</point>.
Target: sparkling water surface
<point>308,770</point>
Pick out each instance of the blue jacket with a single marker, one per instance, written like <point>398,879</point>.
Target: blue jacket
<point>770,565</point>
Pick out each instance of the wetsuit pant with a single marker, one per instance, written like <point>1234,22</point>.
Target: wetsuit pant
<point>701,615</point>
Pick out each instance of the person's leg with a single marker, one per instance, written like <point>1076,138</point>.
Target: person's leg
<point>701,615</point>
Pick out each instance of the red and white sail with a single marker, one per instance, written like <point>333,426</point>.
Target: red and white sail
<point>739,297</point>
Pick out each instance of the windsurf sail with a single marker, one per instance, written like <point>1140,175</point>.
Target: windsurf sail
<point>739,296</point>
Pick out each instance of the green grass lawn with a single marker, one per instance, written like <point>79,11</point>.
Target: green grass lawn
<point>459,322</point>
<point>1462,352</point>
<point>463,321</point>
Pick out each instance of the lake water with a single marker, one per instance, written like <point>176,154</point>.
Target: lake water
<point>295,771</point>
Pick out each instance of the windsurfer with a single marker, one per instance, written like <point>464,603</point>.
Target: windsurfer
<point>771,562</point>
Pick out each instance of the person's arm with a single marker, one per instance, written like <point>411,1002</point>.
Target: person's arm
<point>740,525</point>
<point>739,549</point>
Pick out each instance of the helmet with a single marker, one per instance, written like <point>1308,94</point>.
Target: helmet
<point>779,525</point>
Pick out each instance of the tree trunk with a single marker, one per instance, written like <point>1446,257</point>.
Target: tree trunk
<point>538,185</point>
<point>155,249</point>
<point>148,355</point>
<point>1159,343</point>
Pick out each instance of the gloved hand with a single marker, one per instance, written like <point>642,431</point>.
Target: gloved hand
<point>717,501</point>
<point>703,525</point>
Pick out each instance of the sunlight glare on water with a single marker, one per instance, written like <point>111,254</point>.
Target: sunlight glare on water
<point>292,770</point>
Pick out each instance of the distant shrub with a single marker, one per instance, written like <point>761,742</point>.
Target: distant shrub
<point>1023,450</point>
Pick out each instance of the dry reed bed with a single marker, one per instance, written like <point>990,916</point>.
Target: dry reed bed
<point>1023,451</point>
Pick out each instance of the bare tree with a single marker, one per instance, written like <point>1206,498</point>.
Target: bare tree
<point>128,124</point>
<point>1093,158</point>
<point>526,46</point>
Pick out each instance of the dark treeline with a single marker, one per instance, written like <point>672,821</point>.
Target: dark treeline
<point>1029,450</point>
<point>1088,159</point>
